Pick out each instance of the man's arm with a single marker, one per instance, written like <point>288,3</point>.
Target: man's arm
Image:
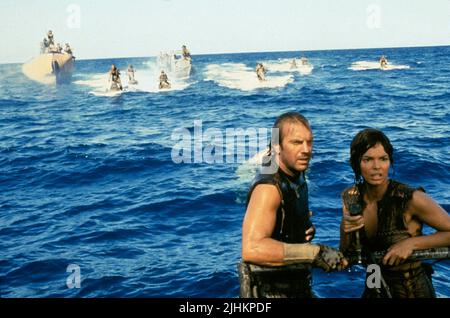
<point>257,245</point>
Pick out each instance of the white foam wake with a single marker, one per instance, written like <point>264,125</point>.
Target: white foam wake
<point>147,76</point>
<point>248,169</point>
<point>286,65</point>
<point>239,76</point>
<point>368,65</point>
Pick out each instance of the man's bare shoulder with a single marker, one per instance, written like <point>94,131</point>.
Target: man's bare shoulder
<point>266,188</point>
<point>266,193</point>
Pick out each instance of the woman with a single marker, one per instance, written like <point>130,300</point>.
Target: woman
<point>389,215</point>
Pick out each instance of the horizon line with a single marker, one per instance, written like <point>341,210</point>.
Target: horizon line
<point>255,52</point>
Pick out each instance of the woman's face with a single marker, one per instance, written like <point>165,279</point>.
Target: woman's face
<point>375,165</point>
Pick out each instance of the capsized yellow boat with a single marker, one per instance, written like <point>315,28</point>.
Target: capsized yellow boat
<point>50,68</point>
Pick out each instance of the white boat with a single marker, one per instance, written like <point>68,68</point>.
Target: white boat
<point>174,63</point>
<point>50,68</point>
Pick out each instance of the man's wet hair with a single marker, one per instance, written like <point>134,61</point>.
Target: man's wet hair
<point>363,141</point>
<point>290,117</point>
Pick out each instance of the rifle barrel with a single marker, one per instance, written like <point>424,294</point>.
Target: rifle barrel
<point>418,255</point>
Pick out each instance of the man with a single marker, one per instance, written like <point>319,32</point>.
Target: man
<point>383,61</point>
<point>293,64</point>
<point>131,72</point>
<point>68,49</point>
<point>50,37</point>
<point>164,81</point>
<point>277,229</point>
<point>44,46</point>
<point>261,72</point>
<point>59,48</point>
<point>114,78</point>
<point>185,52</point>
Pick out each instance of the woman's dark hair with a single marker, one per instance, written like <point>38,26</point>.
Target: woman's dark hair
<point>363,141</point>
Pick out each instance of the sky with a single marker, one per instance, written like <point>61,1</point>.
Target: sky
<point>142,28</point>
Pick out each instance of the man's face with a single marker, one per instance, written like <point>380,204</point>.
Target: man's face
<point>296,148</point>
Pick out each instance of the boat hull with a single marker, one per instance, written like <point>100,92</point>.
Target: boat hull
<point>51,68</point>
<point>182,68</point>
<point>177,66</point>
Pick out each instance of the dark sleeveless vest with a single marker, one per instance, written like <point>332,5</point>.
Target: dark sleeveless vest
<point>292,219</point>
<point>390,214</point>
<point>413,282</point>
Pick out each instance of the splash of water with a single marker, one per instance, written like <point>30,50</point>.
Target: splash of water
<point>368,65</point>
<point>287,65</point>
<point>239,76</point>
<point>147,77</point>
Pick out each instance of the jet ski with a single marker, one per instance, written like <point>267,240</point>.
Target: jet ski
<point>165,85</point>
<point>115,87</point>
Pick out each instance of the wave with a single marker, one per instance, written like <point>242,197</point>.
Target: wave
<point>82,164</point>
<point>94,171</point>
<point>239,76</point>
<point>105,286</point>
<point>412,166</point>
<point>37,271</point>
<point>247,171</point>
<point>286,65</point>
<point>12,103</point>
<point>368,65</point>
<point>147,78</point>
<point>91,178</point>
<point>201,200</point>
<point>213,285</point>
<point>114,235</point>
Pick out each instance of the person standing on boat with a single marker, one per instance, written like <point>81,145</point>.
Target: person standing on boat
<point>59,48</point>
<point>44,46</point>
<point>186,54</point>
<point>389,216</point>
<point>50,37</point>
<point>68,49</point>
<point>277,229</point>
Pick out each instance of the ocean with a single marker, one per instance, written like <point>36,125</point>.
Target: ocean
<point>90,184</point>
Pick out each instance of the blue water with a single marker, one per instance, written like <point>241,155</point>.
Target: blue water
<point>89,180</point>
